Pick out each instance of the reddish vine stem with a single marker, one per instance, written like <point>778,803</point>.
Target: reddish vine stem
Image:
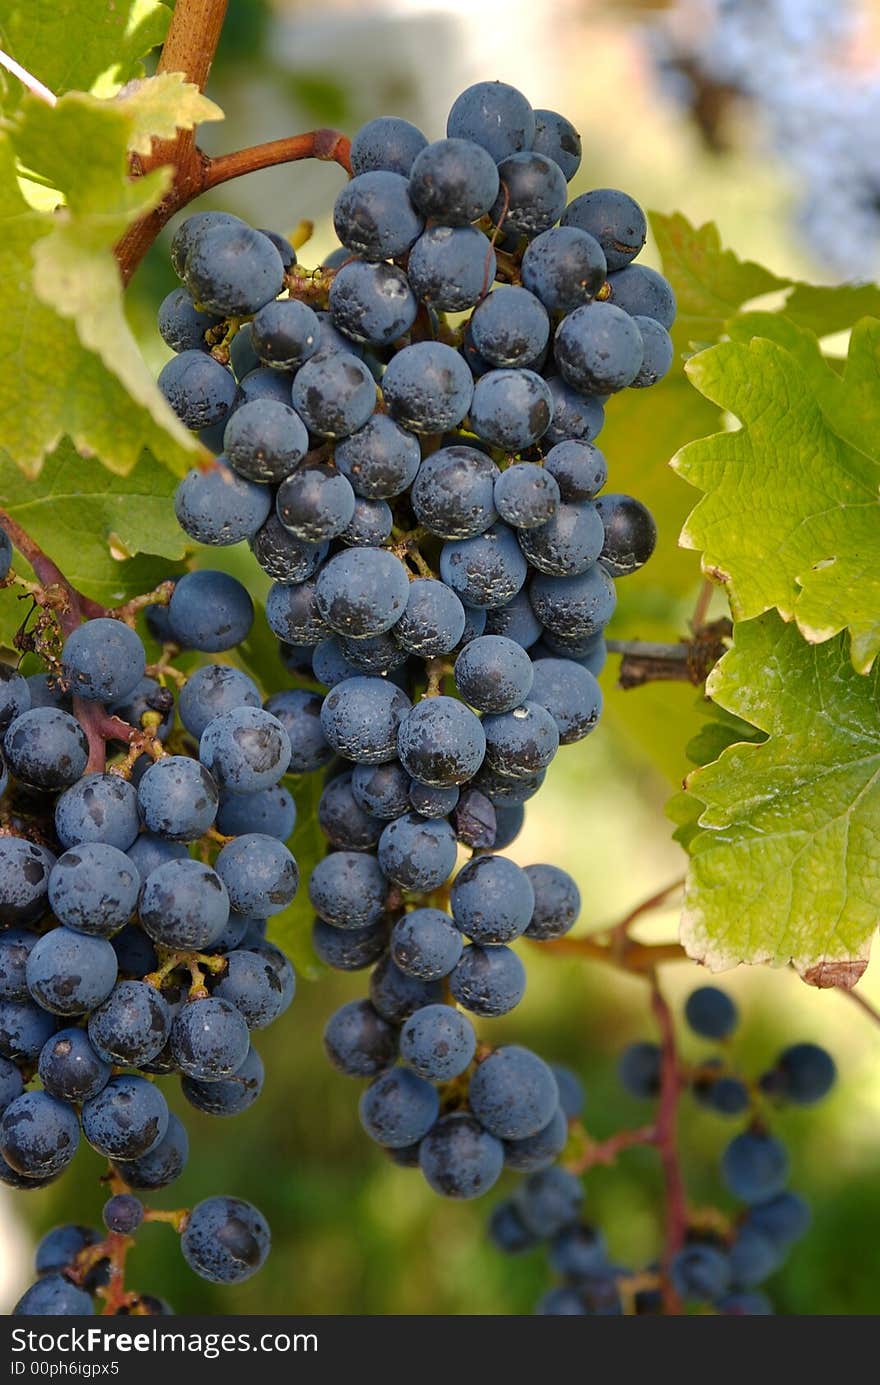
<point>864,1005</point>
<point>666,1141</point>
<point>69,604</point>
<point>618,936</point>
<point>606,1151</point>
<point>330,146</point>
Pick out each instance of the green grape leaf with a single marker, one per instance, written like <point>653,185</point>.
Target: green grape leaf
<point>84,378</point>
<point>791,512</point>
<point>292,929</point>
<point>82,45</point>
<point>113,537</point>
<point>710,283</point>
<point>785,864</point>
<point>824,309</point>
<point>158,106</point>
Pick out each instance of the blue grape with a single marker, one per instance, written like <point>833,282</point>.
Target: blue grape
<point>381,790</point>
<point>503,791</point>
<point>212,690</point>
<point>362,592</point>
<point>182,325</point>
<point>343,819</point>
<point>293,615</point>
<point>570,694</point>
<point>25,869</point>
<point>15,695</point>
<point>417,853</point>
<point>387,143</point>
<point>492,902</point>
<point>380,460</point>
<point>493,673</point>
<point>506,1230</point>
<point>598,349</point>
<point>102,660</point>
<point>178,798</point>
<point>132,1025</point>
<point>495,116</point>
<point>397,995</point>
<point>38,1135</point>
<point>374,217</point>
<point>265,383</point>
<point>433,621</point>
<point>24,1029</point>
<point>398,1108</point>
<point>149,851</point>
<point>630,534</point>
<point>220,507</point>
<point>432,801</point>
<point>232,269</point>
<point>348,889</point>
<point>230,1095</point>
<point>71,1068</point>
<point>198,389</point>
<point>753,1258</point>
<point>579,468</point>
<point>754,1166</point>
<point>783,1218</point>
<point>574,606</point>
<point>459,1158</point>
<point>69,973</point>
<point>370,526</point>
<point>361,716</point>
<point>427,387</point>
<point>226,1240</point>
<point>11,1084</point>
<point>53,1296</point>
<point>549,1200</point>
<point>474,820</point>
<point>451,267</point>
<point>474,624</point>
<point>579,1253</point>
<point>184,904</point>
<point>425,943</point>
<point>532,195</point>
<point>561,1302</point>
<point>515,620</point>
<point>147,705</point>
<point>46,748</point>
<point>540,1150</point>
<point>639,1070</point>
<point>284,334</point>
<point>657,352</point>
<point>614,219</point>
<point>728,1096</point>
<point>559,140</point>
<point>487,570</point>
<point>557,902</point>
<point>568,543</point>
<point>508,824</point>
<point>299,712</point>
<point>58,1248</point>
<point>372,302</point>
<point>242,356</point>
<point>564,268</point>
<point>358,1041</point>
<point>334,394</point>
<point>511,409</point>
<point>209,1039</point>
<point>5,554</point>
<point>642,292</point>
<point>441,742</point>
<point>93,888</point>
<point>282,245</point>
<point>15,948</point>
<point>123,1214</point>
<point>259,873</point>
<point>185,233</point>
<point>245,749</point>
<point>453,181</point>
<point>453,494</point>
<point>576,417</point>
<point>700,1273</point>
<point>348,949</point>
<point>282,556</point>
<point>162,1163</point>
<point>521,743</point>
<point>315,503</point>
<point>45,691</point>
<point>264,440</point>
<point>488,981</point>
<point>513,1093</point>
<point>526,496</point>
<point>807,1073</point>
<point>256,987</point>
<point>438,1042</point>
<point>210,611</point>
<point>590,651</point>
<point>711,1013</point>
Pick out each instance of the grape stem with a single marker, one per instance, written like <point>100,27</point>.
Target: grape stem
<point>688,661</point>
<point>70,606</point>
<point>189,49</point>
<point>605,1152</point>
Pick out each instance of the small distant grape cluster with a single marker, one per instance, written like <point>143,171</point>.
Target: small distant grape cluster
<point>722,1260</point>
<point>140,858</point>
<point>443,567</point>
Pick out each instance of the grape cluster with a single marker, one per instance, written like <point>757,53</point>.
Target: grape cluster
<point>724,1260</point>
<point>406,439</point>
<point>133,908</point>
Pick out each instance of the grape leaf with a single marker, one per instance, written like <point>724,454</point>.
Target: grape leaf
<point>291,930</point>
<point>785,865</point>
<point>161,105</point>
<point>824,309</point>
<point>92,524</point>
<point>791,512</point>
<point>83,45</point>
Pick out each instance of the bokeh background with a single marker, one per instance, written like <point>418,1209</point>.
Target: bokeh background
<point>761,124</point>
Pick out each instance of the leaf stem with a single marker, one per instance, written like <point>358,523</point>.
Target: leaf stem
<point>28,79</point>
<point>73,607</point>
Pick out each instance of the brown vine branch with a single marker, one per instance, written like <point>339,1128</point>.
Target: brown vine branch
<point>666,1142</point>
<point>330,146</point>
<point>688,661</point>
<point>69,604</point>
<point>605,1152</point>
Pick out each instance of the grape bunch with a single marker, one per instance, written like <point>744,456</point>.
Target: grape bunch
<point>406,439</point>
<point>134,896</point>
<point>724,1259</point>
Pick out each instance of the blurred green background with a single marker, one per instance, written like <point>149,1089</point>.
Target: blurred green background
<point>352,1233</point>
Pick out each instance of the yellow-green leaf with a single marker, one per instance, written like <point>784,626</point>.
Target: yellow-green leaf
<point>81,45</point>
<point>158,106</point>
